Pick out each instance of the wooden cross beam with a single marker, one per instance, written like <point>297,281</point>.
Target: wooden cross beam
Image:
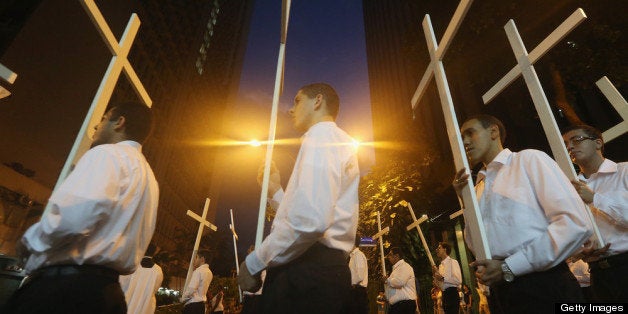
<point>203,223</point>
<point>619,103</point>
<point>281,64</point>
<point>378,236</point>
<point>526,68</point>
<point>9,76</point>
<point>456,214</point>
<point>415,224</point>
<point>118,63</point>
<point>235,249</point>
<point>473,217</point>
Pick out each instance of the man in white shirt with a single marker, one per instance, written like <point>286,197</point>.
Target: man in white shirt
<point>533,218</point>
<point>603,185</point>
<point>358,299</point>
<point>314,229</point>
<point>448,277</point>
<point>140,287</point>
<point>100,222</point>
<point>195,294</point>
<point>400,284</point>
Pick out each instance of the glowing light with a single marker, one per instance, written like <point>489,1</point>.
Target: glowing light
<point>255,143</point>
<point>356,143</point>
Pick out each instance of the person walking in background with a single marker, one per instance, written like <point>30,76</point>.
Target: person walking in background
<point>358,301</point>
<point>448,277</point>
<point>140,287</point>
<point>400,285</point>
<point>195,294</point>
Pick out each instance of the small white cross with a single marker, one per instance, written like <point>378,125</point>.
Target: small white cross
<point>203,223</point>
<point>415,224</point>
<point>378,236</point>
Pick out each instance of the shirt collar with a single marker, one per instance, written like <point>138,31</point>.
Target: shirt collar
<point>131,143</point>
<point>607,166</point>
<point>398,263</point>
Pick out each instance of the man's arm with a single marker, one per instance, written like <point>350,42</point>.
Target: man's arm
<point>360,266</point>
<point>614,203</point>
<point>400,277</point>
<point>195,281</point>
<point>569,226</point>
<point>81,202</point>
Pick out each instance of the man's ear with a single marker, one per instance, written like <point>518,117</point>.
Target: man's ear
<point>598,144</point>
<point>319,101</point>
<point>494,131</point>
<point>120,123</point>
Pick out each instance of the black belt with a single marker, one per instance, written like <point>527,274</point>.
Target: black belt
<point>72,270</point>
<point>610,261</point>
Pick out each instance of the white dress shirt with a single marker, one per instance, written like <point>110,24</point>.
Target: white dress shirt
<point>140,288</point>
<point>610,184</point>
<point>103,214</point>
<point>532,214</point>
<point>196,291</point>
<point>320,203</point>
<point>400,284</point>
<point>450,270</point>
<point>359,268</point>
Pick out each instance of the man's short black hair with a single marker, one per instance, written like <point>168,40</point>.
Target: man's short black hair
<point>588,130</point>
<point>206,254</point>
<point>138,119</point>
<point>329,94</point>
<point>396,251</point>
<point>445,246</point>
<point>487,120</point>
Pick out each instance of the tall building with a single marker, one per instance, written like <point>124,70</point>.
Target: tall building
<point>187,54</point>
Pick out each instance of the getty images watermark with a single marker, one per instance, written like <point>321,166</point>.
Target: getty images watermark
<point>590,308</point>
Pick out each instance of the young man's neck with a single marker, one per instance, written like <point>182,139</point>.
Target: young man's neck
<point>492,154</point>
<point>591,165</point>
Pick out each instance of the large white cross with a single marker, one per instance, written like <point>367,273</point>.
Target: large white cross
<point>285,16</point>
<point>473,217</point>
<point>235,248</point>
<point>619,103</point>
<point>525,67</point>
<point>416,224</point>
<point>378,236</point>
<point>118,63</point>
<point>9,76</point>
<point>203,223</point>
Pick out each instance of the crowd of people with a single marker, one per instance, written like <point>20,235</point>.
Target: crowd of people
<point>87,254</point>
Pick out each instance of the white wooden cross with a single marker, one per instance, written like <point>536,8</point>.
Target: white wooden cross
<point>619,103</point>
<point>203,223</point>
<point>525,67</point>
<point>235,249</point>
<point>473,217</point>
<point>415,224</point>
<point>118,63</point>
<point>378,236</point>
<point>9,76</point>
<point>285,16</point>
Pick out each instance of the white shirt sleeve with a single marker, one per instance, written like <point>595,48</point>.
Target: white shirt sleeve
<point>614,204</point>
<point>569,226</point>
<point>77,206</point>
<point>192,287</point>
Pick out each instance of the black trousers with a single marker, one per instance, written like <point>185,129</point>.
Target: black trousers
<point>79,293</point>
<point>194,308</point>
<point>319,281</point>
<point>358,302</point>
<point>451,300</point>
<point>608,279</point>
<point>251,304</point>
<point>403,307</point>
<point>536,292</point>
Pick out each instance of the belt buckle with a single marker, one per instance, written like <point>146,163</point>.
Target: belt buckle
<point>604,264</point>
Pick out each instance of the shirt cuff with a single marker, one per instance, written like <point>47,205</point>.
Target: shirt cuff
<point>254,264</point>
<point>518,264</point>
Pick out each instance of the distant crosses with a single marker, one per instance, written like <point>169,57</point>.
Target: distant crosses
<point>118,63</point>
<point>619,103</point>
<point>416,224</point>
<point>235,249</point>
<point>285,16</point>
<point>9,76</point>
<point>203,223</point>
<point>525,67</point>
<point>436,69</point>
<point>378,236</point>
